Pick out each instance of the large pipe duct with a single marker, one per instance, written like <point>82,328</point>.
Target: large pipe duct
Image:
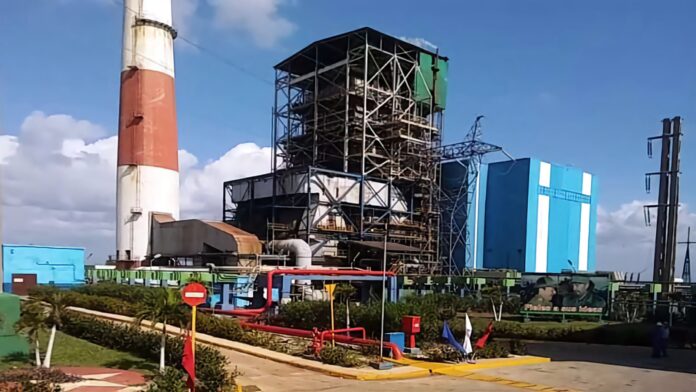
<point>299,248</point>
<point>303,258</point>
<point>148,166</point>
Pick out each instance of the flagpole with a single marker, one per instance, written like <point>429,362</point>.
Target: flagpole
<point>384,288</point>
<point>193,331</point>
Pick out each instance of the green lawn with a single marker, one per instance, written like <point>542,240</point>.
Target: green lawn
<point>71,351</point>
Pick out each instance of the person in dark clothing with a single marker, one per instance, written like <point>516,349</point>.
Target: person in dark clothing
<point>664,339</point>
<point>656,340</point>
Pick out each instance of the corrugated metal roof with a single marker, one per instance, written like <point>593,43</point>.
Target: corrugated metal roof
<point>366,30</point>
<point>247,243</point>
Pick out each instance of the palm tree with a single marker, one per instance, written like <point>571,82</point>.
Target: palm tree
<point>31,323</point>
<point>58,304</point>
<point>164,306</point>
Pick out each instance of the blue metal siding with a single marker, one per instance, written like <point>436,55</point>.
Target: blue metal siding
<point>508,214</point>
<point>481,208</point>
<point>532,210</point>
<point>57,265</point>
<point>506,226</point>
<point>564,218</point>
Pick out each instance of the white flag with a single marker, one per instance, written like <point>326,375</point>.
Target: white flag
<point>467,338</point>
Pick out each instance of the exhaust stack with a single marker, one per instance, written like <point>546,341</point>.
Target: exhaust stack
<point>148,166</point>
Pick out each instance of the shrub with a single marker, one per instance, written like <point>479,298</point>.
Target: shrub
<point>37,374</point>
<point>172,380</point>
<point>433,309</point>
<point>440,352</point>
<point>210,363</point>
<point>220,327</point>
<point>518,347</point>
<point>494,350</point>
<point>30,386</point>
<point>339,356</point>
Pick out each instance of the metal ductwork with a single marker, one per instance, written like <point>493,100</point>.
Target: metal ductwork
<point>296,247</point>
<point>303,256</point>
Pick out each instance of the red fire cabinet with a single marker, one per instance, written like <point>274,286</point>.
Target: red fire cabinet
<point>411,326</point>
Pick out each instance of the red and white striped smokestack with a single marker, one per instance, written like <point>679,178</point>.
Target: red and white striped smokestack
<point>148,166</point>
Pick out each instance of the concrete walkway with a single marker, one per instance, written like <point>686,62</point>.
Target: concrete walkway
<point>102,379</point>
<point>594,367</point>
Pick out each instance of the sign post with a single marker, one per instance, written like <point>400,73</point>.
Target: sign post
<point>194,294</point>
<point>330,288</point>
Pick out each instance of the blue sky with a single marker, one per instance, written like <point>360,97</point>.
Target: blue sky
<point>580,83</point>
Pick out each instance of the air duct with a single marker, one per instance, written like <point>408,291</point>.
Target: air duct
<point>296,247</point>
<point>303,258</point>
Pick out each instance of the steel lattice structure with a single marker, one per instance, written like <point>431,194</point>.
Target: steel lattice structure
<point>359,112</point>
<point>456,202</point>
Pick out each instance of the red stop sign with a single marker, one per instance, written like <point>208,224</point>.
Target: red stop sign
<point>194,294</point>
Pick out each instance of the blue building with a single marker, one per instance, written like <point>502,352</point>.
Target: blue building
<point>528,215</point>
<point>61,266</point>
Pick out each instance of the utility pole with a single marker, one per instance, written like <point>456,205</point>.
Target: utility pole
<point>667,201</point>
<point>686,272</point>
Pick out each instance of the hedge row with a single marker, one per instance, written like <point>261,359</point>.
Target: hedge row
<point>210,363</point>
<point>434,309</point>
<point>225,328</point>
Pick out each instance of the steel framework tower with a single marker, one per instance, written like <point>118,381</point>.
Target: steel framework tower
<point>456,202</point>
<point>686,271</point>
<point>357,120</point>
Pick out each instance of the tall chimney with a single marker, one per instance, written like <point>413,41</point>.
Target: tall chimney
<point>148,166</point>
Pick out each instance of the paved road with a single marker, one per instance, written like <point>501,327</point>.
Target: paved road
<point>578,367</point>
<point>272,376</point>
<point>591,367</point>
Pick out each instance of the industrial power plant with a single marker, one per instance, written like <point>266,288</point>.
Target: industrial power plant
<point>405,219</point>
<point>362,187</point>
<point>361,179</point>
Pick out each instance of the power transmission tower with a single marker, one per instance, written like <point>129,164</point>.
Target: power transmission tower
<point>686,272</point>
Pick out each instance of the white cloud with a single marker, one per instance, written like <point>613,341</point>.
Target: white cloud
<point>258,19</point>
<point>201,188</point>
<point>625,243</point>
<point>420,42</point>
<point>59,182</point>
<point>8,147</point>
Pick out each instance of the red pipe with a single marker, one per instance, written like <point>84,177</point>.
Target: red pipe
<point>396,352</point>
<point>335,331</point>
<point>269,285</point>
<point>275,329</point>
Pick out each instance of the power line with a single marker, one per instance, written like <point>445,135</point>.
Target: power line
<point>210,52</point>
<point>225,60</point>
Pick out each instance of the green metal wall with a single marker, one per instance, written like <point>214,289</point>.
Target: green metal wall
<point>424,84</point>
<point>10,342</point>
